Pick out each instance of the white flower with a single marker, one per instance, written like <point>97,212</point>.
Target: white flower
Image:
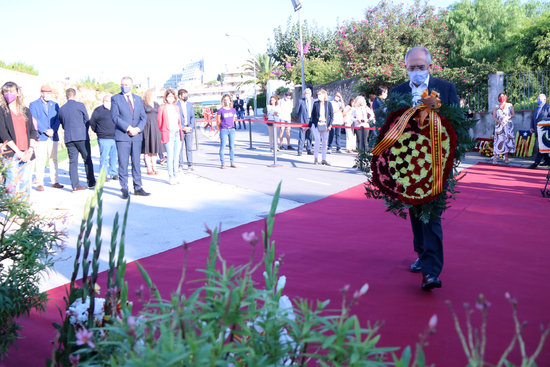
<point>286,307</point>
<point>433,321</point>
<point>78,311</point>
<point>281,283</point>
<point>364,289</point>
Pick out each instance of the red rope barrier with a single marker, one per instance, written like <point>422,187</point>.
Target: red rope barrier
<point>296,124</point>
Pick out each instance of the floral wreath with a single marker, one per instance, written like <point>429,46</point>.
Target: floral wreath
<point>412,165</point>
<point>415,154</point>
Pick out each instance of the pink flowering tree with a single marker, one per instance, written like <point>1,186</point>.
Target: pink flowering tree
<point>374,47</point>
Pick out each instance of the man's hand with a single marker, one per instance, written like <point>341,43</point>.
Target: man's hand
<point>133,131</point>
<point>49,132</point>
<point>186,130</point>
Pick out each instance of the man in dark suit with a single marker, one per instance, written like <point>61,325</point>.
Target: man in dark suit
<point>129,116</point>
<point>427,237</point>
<point>303,111</point>
<point>74,119</point>
<point>541,113</point>
<point>238,104</point>
<point>187,116</point>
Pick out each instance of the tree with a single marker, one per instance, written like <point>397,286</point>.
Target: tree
<point>483,29</point>
<point>266,68</point>
<point>374,47</point>
<point>532,45</point>
<point>321,62</point>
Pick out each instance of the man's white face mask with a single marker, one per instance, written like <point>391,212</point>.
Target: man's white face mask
<point>418,76</point>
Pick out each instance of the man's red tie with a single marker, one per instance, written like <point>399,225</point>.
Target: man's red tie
<point>130,104</point>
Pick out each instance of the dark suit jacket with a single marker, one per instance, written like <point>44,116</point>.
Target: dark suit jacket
<point>74,119</point>
<point>543,115</point>
<point>315,113</point>
<point>447,90</point>
<point>301,111</point>
<point>7,131</point>
<point>45,121</point>
<point>123,118</point>
<point>238,104</point>
<point>190,115</point>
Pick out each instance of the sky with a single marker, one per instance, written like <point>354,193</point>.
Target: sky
<point>151,40</point>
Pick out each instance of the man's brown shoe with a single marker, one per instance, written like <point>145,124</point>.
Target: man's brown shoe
<point>39,188</point>
<point>57,185</point>
<point>79,188</point>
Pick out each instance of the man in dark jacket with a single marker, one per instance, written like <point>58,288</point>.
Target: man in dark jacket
<point>102,124</point>
<point>541,113</point>
<point>427,237</point>
<point>303,111</point>
<point>74,119</point>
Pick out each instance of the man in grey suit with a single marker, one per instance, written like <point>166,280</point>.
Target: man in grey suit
<point>129,116</point>
<point>187,116</point>
<point>74,119</point>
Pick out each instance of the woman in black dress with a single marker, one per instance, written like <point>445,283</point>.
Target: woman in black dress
<point>151,134</point>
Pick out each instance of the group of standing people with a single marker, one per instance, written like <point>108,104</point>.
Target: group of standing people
<point>126,127</point>
<point>322,117</point>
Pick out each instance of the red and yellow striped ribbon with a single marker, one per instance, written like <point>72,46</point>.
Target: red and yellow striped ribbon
<point>435,139</point>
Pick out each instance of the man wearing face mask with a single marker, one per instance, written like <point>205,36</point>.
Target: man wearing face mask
<point>128,113</point>
<point>187,116</point>
<point>303,111</point>
<point>427,237</point>
<point>45,111</point>
<point>541,113</point>
<point>102,124</point>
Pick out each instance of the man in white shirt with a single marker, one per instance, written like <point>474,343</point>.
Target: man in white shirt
<point>285,112</point>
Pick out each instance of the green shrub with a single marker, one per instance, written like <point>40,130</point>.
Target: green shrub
<point>27,245</point>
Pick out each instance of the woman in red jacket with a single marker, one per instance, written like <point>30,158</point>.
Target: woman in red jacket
<point>18,138</point>
<point>171,132</point>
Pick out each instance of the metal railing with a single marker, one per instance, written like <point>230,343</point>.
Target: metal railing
<point>477,98</point>
<point>523,89</point>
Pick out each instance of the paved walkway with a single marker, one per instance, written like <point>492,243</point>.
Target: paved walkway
<point>209,195</point>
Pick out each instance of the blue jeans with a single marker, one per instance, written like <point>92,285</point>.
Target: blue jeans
<point>224,134</point>
<point>18,176</point>
<point>108,156</point>
<point>173,148</point>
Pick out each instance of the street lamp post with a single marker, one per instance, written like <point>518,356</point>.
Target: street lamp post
<point>252,58</point>
<point>297,4</point>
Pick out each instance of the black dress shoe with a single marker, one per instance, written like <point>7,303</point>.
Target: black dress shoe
<point>125,194</point>
<point>430,282</point>
<point>416,267</point>
<point>141,192</point>
<point>115,177</point>
<point>532,166</point>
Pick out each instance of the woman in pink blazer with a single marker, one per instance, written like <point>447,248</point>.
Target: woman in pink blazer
<point>171,132</point>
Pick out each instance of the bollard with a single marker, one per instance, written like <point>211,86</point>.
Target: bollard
<point>275,147</point>
<point>250,133</point>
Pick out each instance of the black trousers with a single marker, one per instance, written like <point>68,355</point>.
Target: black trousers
<point>127,149</point>
<point>428,244</point>
<point>83,148</point>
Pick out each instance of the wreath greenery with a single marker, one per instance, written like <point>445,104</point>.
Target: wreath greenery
<point>461,124</point>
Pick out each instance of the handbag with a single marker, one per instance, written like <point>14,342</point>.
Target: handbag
<point>322,126</point>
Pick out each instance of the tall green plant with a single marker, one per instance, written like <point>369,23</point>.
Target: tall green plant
<point>28,243</point>
<point>68,344</point>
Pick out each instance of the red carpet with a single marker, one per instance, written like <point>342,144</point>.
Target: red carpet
<point>495,241</point>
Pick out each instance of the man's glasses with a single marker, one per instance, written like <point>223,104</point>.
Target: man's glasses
<point>417,67</point>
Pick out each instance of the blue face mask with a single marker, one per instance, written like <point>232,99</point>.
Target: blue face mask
<point>539,102</point>
<point>418,77</point>
<point>125,89</point>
